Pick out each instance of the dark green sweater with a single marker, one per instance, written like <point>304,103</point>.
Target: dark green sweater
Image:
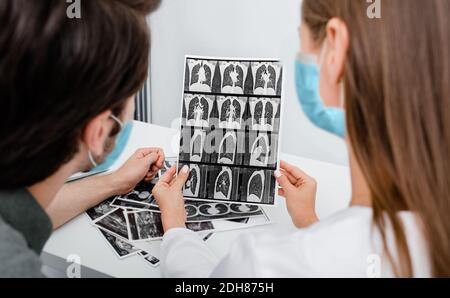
<point>24,229</point>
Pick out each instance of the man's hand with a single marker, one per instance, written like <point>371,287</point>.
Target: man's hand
<point>299,189</point>
<point>168,194</point>
<point>144,164</point>
<point>78,196</point>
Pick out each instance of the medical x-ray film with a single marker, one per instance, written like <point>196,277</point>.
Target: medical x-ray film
<point>230,124</point>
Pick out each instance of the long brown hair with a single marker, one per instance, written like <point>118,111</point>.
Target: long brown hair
<point>397,92</point>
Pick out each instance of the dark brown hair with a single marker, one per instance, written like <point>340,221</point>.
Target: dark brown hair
<point>57,73</point>
<point>397,85</point>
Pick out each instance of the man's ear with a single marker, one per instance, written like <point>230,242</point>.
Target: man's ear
<point>338,44</point>
<point>96,132</point>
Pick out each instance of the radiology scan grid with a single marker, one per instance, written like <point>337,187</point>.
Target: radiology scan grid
<point>231,111</point>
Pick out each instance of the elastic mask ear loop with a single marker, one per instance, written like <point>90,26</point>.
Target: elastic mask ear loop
<point>117,120</point>
<point>91,159</point>
<point>90,156</point>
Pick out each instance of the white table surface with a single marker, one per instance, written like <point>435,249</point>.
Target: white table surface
<point>80,238</point>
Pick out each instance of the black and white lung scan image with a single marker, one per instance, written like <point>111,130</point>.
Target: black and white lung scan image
<point>230,124</point>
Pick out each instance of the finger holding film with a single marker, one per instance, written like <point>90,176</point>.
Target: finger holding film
<point>281,192</point>
<point>143,152</point>
<point>293,170</point>
<point>158,158</point>
<point>148,178</point>
<point>150,175</point>
<point>180,181</point>
<point>168,175</point>
<point>152,172</point>
<point>154,169</point>
<point>161,159</point>
<point>149,159</point>
<point>159,153</point>
<point>283,181</point>
<point>291,178</point>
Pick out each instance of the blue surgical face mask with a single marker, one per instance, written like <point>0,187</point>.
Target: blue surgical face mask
<point>120,144</point>
<point>307,75</point>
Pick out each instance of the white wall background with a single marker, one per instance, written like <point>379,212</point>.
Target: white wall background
<point>234,28</point>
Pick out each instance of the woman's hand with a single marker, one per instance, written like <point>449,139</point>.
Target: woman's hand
<point>144,164</point>
<point>299,189</point>
<point>169,196</point>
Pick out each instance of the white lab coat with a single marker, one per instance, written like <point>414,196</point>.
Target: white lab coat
<point>344,245</point>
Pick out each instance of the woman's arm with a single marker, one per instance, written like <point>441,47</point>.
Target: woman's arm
<point>299,190</point>
<point>184,254</point>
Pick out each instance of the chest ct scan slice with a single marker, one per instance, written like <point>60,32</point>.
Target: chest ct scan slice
<point>263,112</point>
<point>223,184</point>
<point>266,76</point>
<point>191,210</point>
<point>244,208</point>
<point>233,76</point>
<point>213,209</point>
<point>198,110</point>
<point>227,148</point>
<point>201,75</point>
<point>100,209</point>
<point>231,111</point>
<point>192,186</point>
<point>148,224</point>
<point>255,188</point>
<point>197,143</point>
<point>260,151</point>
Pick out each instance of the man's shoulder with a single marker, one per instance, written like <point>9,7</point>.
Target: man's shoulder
<point>16,258</point>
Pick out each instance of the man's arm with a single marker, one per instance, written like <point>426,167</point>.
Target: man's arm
<point>76,197</point>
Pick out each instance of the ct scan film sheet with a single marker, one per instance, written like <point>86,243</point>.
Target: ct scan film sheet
<point>230,124</point>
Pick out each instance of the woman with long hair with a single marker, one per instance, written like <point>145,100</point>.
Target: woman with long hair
<point>392,77</point>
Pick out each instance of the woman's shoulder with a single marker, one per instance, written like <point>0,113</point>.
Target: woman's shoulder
<point>356,219</point>
<point>344,224</point>
<point>315,251</point>
<point>340,245</point>
<point>343,245</point>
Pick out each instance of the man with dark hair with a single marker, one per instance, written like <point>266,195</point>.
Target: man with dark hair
<point>66,90</point>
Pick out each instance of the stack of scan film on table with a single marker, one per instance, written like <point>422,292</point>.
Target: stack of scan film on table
<point>231,111</point>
